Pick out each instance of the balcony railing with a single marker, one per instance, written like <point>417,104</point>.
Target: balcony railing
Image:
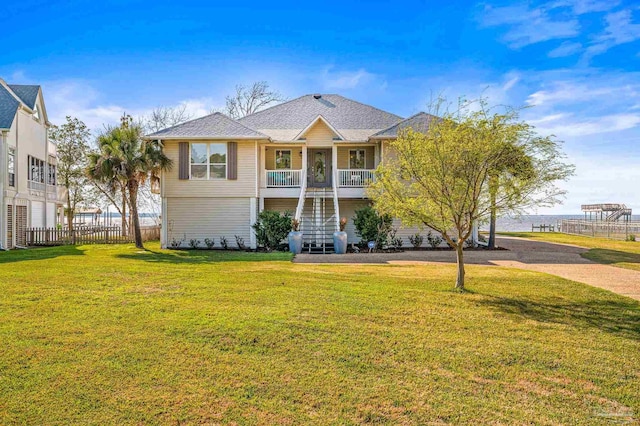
<point>283,178</point>
<point>354,178</point>
<point>36,186</point>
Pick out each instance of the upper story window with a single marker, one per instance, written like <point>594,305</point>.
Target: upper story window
<point>283,159</point>
<point>36,170</point>
<point>356,159</point>
<point>208,161</point>
<point>52,174</point>
<point>11,166</point>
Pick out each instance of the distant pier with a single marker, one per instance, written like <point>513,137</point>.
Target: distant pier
<point>607,220</point>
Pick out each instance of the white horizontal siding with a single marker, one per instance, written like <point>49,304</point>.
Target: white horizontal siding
<point>320,135</point>
<point>244,186</point>
<point>281,204</point>
<point>348,209</point>
<point>200,218</point>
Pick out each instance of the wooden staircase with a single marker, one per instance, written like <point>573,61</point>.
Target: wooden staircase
<point>318,220</point>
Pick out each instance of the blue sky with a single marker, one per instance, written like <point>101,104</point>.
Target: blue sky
<point>575,62</point>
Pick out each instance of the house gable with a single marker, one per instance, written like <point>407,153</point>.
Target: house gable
<point>319,133</point>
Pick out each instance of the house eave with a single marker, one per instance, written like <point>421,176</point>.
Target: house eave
<point>206,138</point>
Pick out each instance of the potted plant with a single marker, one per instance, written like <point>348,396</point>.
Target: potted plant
<point>295,237</point>
<point>340,238</point>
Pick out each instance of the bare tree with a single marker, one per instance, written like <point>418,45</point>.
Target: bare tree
<point>248,100</point>
<point>163,117</point>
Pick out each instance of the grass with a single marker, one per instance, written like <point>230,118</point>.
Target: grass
<point>624,254</point>
<point>114,335</point>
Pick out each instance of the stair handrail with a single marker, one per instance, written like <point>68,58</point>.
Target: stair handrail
<point>303,194</point>
<point>336,206</point>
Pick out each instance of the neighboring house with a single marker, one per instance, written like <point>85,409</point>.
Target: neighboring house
<point>312,156</point>
<point>28,192</point>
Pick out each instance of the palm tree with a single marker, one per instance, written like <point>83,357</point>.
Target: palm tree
<point>124,160</point>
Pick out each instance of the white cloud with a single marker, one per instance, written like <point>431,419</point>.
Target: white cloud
<point>510,83</point>
<point>529,26</point>
<point>77,98</point>
<point>622,90</point>
<point>568,125</point>
<point>343,80</point>
<point>619,29</point>
<point>581,7</point>
<point>567,48</point>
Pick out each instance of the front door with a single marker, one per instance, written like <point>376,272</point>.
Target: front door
<point>319,168</point>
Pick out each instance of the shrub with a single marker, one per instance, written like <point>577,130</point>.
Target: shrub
<point>416,240</point>
<point>209,242</point>
<point>193,243</point>
<point>370,226</point>
<point>240,242</point>
<point>630,237</point>
<point>395,240</point>
<point>224,243</point>
<point>271,228</point>
<point>434,240</point>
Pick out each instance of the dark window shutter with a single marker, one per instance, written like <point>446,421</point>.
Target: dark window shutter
<point>183,160</point>
<point>232,160</point>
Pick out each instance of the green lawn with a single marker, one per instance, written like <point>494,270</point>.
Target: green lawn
<point>624,254</point>
<point>113,335</point>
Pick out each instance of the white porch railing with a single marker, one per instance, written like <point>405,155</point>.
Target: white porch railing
<point>355,178</point>
<point>283,178</point>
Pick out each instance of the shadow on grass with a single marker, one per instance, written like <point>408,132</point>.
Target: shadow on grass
<point>610,257</point>
<point>617,317</point>
<point>40,253</point>
<point>203,256</point>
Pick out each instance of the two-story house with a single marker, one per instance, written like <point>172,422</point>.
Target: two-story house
<point>312,156</point>
<point>28,192</point>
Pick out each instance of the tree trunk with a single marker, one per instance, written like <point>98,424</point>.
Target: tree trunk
<point>69,213</point>
<point>123,218</point>
<point>133,201</point>
<point>492,221</point>
<point>492,226</point>
<point>460,262</point>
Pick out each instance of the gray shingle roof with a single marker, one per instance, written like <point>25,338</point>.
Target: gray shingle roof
<point>419,122</point>
<point>27,93</point>
<point>213,126</point>
<point>341,112</point>
<point>8,107</point>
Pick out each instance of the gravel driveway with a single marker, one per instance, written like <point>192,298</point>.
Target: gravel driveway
<point>557,259</point>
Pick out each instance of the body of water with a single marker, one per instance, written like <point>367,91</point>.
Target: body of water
<point>523,223</point>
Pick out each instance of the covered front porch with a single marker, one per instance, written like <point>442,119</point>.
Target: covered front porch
<point>347,168</point>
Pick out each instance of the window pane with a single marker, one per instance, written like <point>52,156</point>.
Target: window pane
<point>198,172</point>
<point>218,153</point>
<point>356,159</point>
<point>283,159</point>
<point>12,162</point>
<point>198,152</point>
<point>218,172</point>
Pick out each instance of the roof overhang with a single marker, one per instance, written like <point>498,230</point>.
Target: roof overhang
<point>313,123</point>
<point>205,138</point>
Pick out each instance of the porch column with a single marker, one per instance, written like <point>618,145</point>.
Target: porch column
<point>304,165</point>
<point>376,155</point>
<point>4,176</point>
<point>261,170</point>
<point>253,214</point>
<point>334,165</point>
